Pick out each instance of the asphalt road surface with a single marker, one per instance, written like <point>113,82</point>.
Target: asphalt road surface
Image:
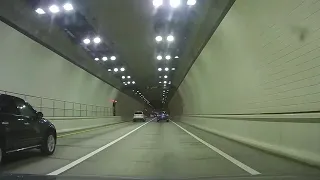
<point>153,150</point>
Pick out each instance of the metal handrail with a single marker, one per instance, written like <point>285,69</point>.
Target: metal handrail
<point>61,108</point>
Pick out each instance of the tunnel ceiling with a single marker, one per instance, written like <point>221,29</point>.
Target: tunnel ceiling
<point>118,40</point>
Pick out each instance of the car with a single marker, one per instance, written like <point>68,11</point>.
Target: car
<point>163,116</point>
<point>139,116</point>
<point>23,128</point>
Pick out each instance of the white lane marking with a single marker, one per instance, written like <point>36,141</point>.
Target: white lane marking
<point>78,161</point>
<point>225,155</point>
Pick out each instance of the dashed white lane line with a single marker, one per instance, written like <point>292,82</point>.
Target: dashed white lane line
<point>78,161</point>
<point>225,155</point>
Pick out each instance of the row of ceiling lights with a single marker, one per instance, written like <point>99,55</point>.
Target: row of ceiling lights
<point>142,97</point>
<point>54,9</point>
<point>169,39</point>
<point>173,3</point>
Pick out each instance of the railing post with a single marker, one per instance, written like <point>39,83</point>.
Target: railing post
<point>72,109</point>
<point>64,108</point>
<point>53,108</point>
<point>41,104</point>
<point>86,110</point>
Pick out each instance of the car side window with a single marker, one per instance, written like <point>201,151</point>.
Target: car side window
<point>25,109</point>
<point>7,105</point>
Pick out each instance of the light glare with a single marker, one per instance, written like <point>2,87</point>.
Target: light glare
<point>159,57</point>
<point>104,58</point>
<point>165,76</point>
<point>68,7</point>
<point>97,40</point>
<point>158,38</point>
<point>128,77</point>
<point>173,69</point>
<point>170,38</point>
<point>122,69</point>
<point>113,58</point>
<point>123,77</point>
<point>40,11</point>
<point>157,3</point>
<point>159,69</point>
<point>176,57</point>
<point>133,82</point>
<point>175,3</point>
<point>54,9</point>
<point>166,69</point>
<point>191,2</point>
<point>168,57</point>
<point>86,41</point>
<point>115,69</point>
<point>96,59</point>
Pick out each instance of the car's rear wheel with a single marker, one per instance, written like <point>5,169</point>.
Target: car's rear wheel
<point>49,144</point>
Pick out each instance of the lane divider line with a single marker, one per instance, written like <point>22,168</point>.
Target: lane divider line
<point>78,161</point>
<point>223,154</point>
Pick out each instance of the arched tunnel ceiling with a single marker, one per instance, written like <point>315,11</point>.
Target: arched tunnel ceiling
<point>129,27</point>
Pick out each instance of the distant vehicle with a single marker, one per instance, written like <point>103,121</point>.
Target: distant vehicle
<point>163,116</point>
<point>139,116</point>
<point>22,128</point>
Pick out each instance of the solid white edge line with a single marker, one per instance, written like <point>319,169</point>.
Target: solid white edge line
<point>225,155</point>
<point>78,161</point>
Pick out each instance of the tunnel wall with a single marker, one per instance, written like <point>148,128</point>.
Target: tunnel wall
<point>27,67</point>
<point>257,79</point>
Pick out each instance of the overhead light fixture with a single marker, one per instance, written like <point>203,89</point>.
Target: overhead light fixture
<point>158,38</point>
<point>169,83</point>
<point>109,70</point>
<point>68,7</point>
<point>159,57</point>
<point>122,69</point>
<point>157,3</point>
<point>166,69</point>
<point>113,58</point>
<point>115,69</point>
<point>168,57</point>
<point>175,3</point>
<point>165,82</point>
<point>191,2</point>
<point>128,77</point>
<point>104,58</point>
<point>129,82</point>
<point>86,41</point>
<point>97,40</point>
<point>164,85</point>
<point>40,11</point>
<point>96,59</point>
<point>170,38</point>
<point>133,82</point>
<point>54,9</point>
<point>160,76</point>
<point>173,69</point>
<point>123,77</point>
<point>176,57</point>
<point>159,69</point>
<point>165,76</point>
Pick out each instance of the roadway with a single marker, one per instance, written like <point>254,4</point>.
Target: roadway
<point>153,150</point>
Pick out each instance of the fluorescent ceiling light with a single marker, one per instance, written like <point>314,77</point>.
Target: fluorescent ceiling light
<point>40,11</point>
<point>191,2</point>
<point>68,7</point>
<point>109,70</point>
<point>158,38</point>
<point>173,69</point>
<point>133,82</point>
<point>122,69</point>
<point>176,57</point>
<point>165,76</point>
<point>159,69</point>
<point>129,82</point>
<point>113,58</point>
<point>166,69</point>
<point>104,58</point>
<point>175,3</point>
<point>165,82</point>
<point>96,59</point>
<point>123,77</point>
<point>170,38</point>
<point>54,9</point>
<point>115,69</point>
<point>168,57</point>
<point>86,41</point>
<point>157,3</point>
<point>159,57</point>
<point>128,77</point>
<point>97,40</point>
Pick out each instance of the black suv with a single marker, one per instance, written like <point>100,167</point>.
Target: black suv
<point>22,127</point>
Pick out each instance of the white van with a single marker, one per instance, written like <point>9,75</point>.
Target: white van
<point>139,116</point>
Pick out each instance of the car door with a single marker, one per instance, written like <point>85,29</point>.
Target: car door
<point>11,126</point>
<point>28,116</point>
